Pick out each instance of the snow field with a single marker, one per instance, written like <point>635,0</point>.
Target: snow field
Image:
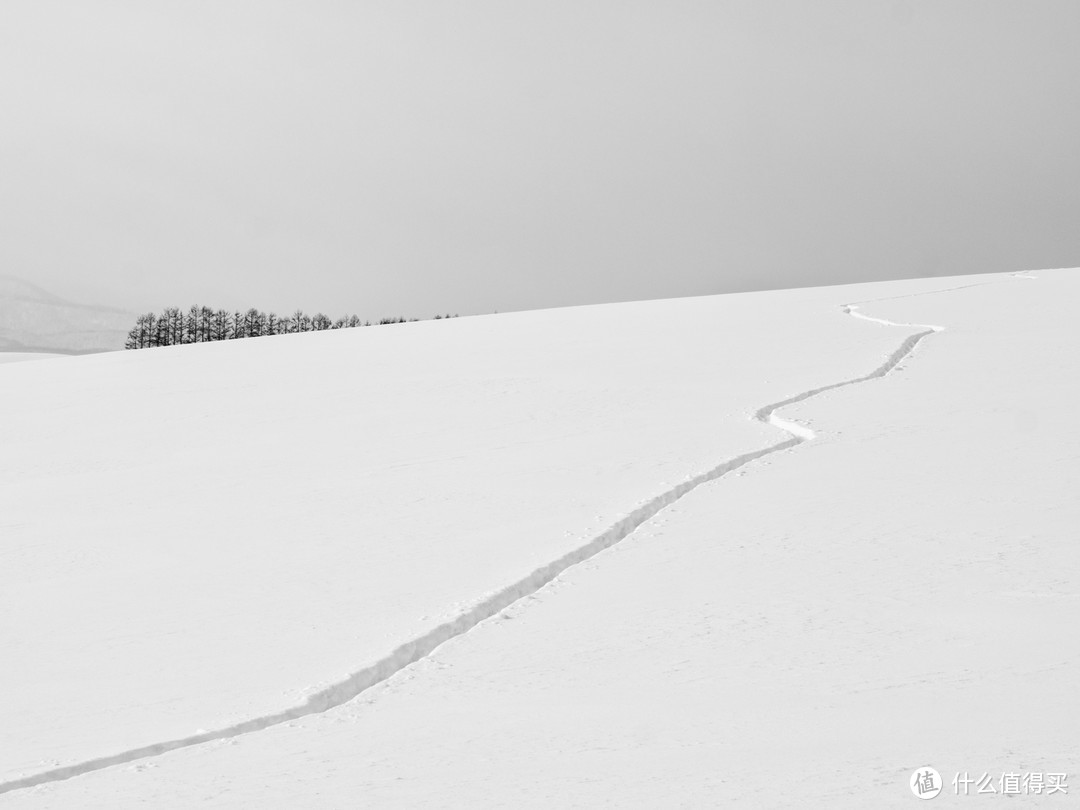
<point>767,627</point>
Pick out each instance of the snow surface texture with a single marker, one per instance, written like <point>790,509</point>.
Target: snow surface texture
<point>707,782</point>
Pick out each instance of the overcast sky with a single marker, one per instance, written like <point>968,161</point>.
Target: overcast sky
<point>420,156</point>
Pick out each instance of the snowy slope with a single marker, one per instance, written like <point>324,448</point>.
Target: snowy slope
<point>246,524</point>
<point>34,320</point>
<point>20,357</point>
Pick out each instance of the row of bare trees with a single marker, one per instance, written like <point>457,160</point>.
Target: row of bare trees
<point>203,324</point>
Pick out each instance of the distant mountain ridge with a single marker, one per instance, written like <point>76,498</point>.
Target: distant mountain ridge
<point>35,320</point>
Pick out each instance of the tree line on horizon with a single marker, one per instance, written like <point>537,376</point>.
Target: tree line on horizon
<point>204,325</point>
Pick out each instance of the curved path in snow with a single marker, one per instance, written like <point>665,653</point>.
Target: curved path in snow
<point>422,646</point>
<point>801,433</point>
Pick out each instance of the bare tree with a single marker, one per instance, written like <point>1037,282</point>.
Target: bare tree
<point>219,329</point>
<point>141,333</point>
<point>192,325</point>
<point>206,319</point>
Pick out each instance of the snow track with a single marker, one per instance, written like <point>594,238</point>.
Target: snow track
<point>422,646</point>
<point>801,433</point>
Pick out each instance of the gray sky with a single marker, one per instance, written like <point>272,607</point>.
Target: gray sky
<point>422,156</point>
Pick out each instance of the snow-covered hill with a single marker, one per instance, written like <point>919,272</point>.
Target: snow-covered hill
<point>766,548</point>
<point>34,320</point>
<point>21,357</point>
